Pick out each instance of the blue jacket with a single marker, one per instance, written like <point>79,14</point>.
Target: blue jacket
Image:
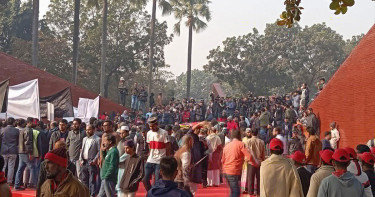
<point>164,188</point>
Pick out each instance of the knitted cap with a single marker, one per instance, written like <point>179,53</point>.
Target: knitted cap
<point>58,156</point>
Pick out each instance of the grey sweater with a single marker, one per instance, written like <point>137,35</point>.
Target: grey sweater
<point>344,186</point>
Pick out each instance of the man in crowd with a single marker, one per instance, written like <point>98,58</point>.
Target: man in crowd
<point>215,149</point>
<point>257,148</point>
<point>123,91</point>
<point>326,141</point>
<point>88,159</point>
<point>264,121</point>
<point>159,145</point>
<point>324,171</point>
<point>43,174</point>
<point>166,187</point>
<point>4,187</point>
<point>335,135</point>
<point>124,136</point>
<point>278,176</point>
<point>26,158</point>
<point>171,139</point>
<point>305,97</point>
<point>299,159</point>
<point>142,99</point>
<point>277,134</point>
<point>59,135</point>
<point>313,146</point>
<point>107,130</point>
<point>355,168</point>
<point>133,171</point>
<point>61,181</point>
<point>233,157</point>
<point>74,143</point>
<point>108,172</point>
<point>134,92</point>
<point>368,161</point>
<point>9,138</point>
<point>341,183</point>
<point>295,143</point>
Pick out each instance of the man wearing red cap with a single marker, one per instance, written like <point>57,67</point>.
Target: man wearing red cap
<point>325,170</point>
<point>278,176</point>
<point>355,168</point>
<point>61,182</point>
<point>341,183</point>
<point>299,159</point>
<point>368,161</point>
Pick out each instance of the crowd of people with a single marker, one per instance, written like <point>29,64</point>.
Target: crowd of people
<point>256,146</point>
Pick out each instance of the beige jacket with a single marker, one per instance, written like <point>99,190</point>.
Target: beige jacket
<point>317,178</point>
<point>279,178</point>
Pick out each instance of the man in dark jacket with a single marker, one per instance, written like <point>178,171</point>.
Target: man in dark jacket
<point>368,161</point>
<point>59,135</point>
<point>9,143</point>
<point>25,153</point>
<point>295,143</point>
<point>166,187</point>
<point>299,159</point>
<point>142,99</point>
<point>133,173</point>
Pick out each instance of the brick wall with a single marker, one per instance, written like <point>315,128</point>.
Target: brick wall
<point>349,96</point>
<point>19,72</point>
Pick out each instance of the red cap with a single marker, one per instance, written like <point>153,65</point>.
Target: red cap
<point>298,156</point>
<point>276,144</point>
<point>341,155</point>
<point>351,152</point>
<point>326,155</point>
<point>373,150</point>
<point>367,158</point>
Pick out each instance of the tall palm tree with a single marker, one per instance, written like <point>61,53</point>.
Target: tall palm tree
<point>166,9</point>
<point>194,11</point>
<point>34,57</point>
<point>104,41</point>
<point>77,6</point>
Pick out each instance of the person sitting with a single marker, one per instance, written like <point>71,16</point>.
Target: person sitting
<point>166,187</point>
<point>4,188</point>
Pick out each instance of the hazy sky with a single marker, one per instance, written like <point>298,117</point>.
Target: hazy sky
<point>238,17</point>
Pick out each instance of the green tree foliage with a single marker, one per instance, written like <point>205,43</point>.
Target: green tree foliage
<point>128,43</point>
<point>293,11</point>
<point>281,59</point>
<point>196,13</point>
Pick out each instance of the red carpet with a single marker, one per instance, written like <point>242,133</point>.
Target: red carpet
<point>223,191</point>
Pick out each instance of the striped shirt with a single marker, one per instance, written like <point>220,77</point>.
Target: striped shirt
<point>157,142</point>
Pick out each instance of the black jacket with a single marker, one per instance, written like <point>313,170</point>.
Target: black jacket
<point>25,144</point>
<point>133,173</point>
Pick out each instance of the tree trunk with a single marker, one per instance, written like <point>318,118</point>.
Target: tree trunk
<point>77,5</point>
<point>104,47</point>
<point>151,50</point>
<point>190,45</point>
<point>34,58</point>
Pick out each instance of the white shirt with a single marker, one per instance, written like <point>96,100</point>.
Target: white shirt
<point>157,142</point>
<point>87,147</point>
<point>282,138</point>
<point>335,137</point>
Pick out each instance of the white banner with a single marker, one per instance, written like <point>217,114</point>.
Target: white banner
<point>88,108</point>
<point>50,111</point>
<point>23,100</point>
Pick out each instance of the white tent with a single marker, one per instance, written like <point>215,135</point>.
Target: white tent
<point>23,100</point>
